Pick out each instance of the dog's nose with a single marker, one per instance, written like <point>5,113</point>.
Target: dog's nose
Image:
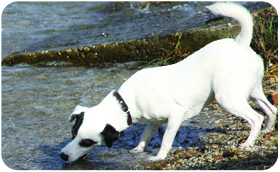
<point>64,156</point>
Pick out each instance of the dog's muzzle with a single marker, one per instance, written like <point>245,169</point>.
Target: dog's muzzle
<point>65,157</point>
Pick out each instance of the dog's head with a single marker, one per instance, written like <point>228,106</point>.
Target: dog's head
<point>88,132</point>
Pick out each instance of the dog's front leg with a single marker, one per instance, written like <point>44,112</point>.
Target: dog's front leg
<point>171,130</point>
<point>146,137</point>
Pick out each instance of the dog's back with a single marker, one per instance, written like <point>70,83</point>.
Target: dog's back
<point>196,76</point>
<point>227,70</point>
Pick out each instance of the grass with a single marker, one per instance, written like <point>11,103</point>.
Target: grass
<point>265,37</point>
<point>163,61</point>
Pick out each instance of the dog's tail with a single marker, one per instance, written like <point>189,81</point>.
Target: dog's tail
<point>239,13</point>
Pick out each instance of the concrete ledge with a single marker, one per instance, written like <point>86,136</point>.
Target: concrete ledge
<point>134,50</point>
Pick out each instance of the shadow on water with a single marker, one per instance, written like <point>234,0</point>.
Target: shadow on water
<point>119,156</point>
<point>53,161</point>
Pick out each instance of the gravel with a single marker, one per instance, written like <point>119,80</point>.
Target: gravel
<point>220,150</point>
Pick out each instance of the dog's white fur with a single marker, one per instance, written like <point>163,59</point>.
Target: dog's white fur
<point>227,70</point>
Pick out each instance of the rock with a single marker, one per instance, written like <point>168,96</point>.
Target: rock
<point>258,161</point>
<point>273,98</point>
<point>134,50</point>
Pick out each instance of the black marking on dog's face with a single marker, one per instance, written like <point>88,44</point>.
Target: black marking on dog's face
<point>110,135</point>
<point>78,123</point>
<point>86,143</point>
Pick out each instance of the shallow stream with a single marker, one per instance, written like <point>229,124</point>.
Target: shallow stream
<point>36,103</point>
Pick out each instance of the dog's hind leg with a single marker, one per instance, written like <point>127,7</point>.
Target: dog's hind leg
<point>241,108</point>
<point>258,96</point>
<point>146,137</point>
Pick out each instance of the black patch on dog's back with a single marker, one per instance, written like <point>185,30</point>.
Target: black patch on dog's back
<point>78,123</point>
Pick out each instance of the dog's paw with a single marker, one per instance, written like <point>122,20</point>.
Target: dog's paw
<point>154,158</point>
<point>266,130</point>
<point>246,146</point>
<point>136,150</point>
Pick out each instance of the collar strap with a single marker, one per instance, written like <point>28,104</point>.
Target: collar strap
<point>124,106</point>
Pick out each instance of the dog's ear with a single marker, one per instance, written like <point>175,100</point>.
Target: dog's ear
<point>78,109</point>
<point>110,135</point>
<point>74,116</point>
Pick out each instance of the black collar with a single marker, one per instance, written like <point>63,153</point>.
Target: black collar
<point>124,106</point>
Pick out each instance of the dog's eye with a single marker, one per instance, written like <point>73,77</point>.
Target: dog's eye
<point>87,142</point>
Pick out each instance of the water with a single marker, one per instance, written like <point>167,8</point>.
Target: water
<point>36,26</point>
<point>36,101</point>
<point>35,108</point>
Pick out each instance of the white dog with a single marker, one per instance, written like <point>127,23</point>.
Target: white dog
<point>227,70</point>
